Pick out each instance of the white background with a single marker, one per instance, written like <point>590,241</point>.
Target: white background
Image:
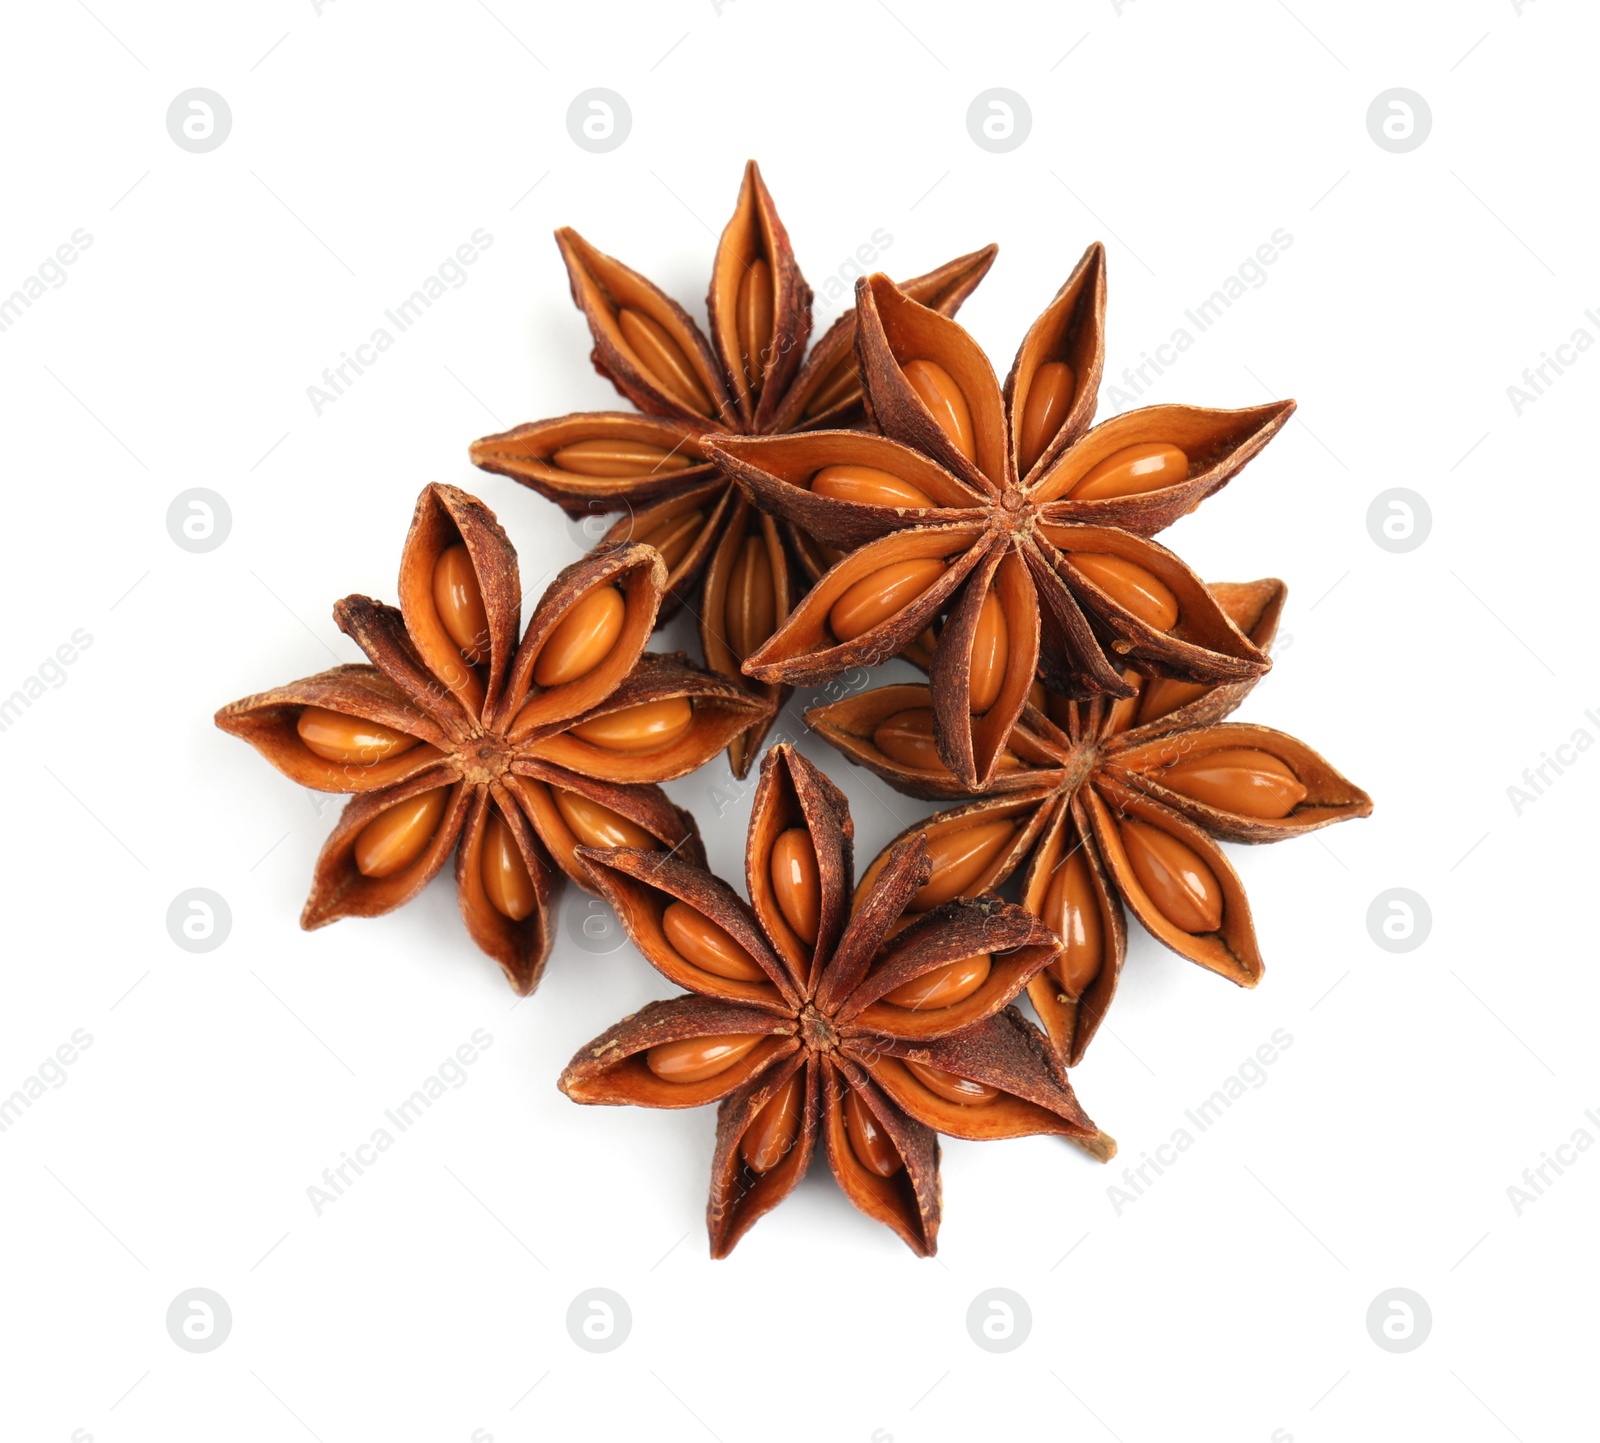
<point>1229,1300</point>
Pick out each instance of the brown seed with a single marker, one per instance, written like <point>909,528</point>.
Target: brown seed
<point>335,737</point>
<point>937,390</point>
<point>459,601</point>
<point>699,941</point>
<point>1049,399</point>
<point>1072,912</point>
<point>841,380</point>
<point>907,738</point>
<point>1131,587</point>
<point>868,1141</point>
<point>991,650</point>
<point>694,1059</point>
<point>944,986</point>
<point>651,726</point>
<point>751,606</point>
<point>951,1087</point>
<point>597,826</point>
<point>1184,889</point>
<point>395,838</point>
<point>1163,695</point>
<point>766,1142</point>
<point>675,536</point>
<point>867,486</point>
<point>877,597</point>
<point>582,639</point>
<point>753,322</point>
<point>959,858</point>
<point>1242,780</point>
<point>1132,471</point>
<point>619,459</point>
<point>505,876</point>
<point>796,883</point>
<point>663,359</point>
<point>1038,696</point>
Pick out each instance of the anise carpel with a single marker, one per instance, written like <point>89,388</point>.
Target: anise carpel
<point>1112,803</point>
<point>459,738</point>
<point>747,378</point>
<point>806,1018</point>
<point>1000,517</point>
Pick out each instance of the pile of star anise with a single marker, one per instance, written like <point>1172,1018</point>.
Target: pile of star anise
<point>882,496</point>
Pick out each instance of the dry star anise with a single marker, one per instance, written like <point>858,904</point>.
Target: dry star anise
<point>1002,512</point>
<point>1110,799</point>
<point>520,752</point>
<point>806,1018</point>
<point>747,379</point>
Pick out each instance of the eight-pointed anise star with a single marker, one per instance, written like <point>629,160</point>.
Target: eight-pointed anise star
<point>805,1018</point>
<point>1111,799</point>
<point>519,752</point>
<point>1004,513</point>
<point>747,379</point>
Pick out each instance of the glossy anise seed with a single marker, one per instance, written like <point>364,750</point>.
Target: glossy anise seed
<point>752,604</point>
<point>867,486</point>
<point>458,599</point>
<point>944,986</point>
<point>950,1087</point>
<point>505,876</point>
<point>694,1059</point>
<point>959,858</point>
<point>907,737</point>
<point>395,838</point>
<point>582,639</point>
<point>868,1141</point>
<point>769,1138</point>
<point>1184,889</point>
<point>620,459</point>
<point>796,883</point>
<point>936,388</point>
<point>753,320</point>
<point>661,356</point>
<point>1243,780</point>
<point>990,651</point>
<point>1132,471</point>
<point>1049,399</point>
<point>877,597</point>
<point>699,941</point>
<point>1071,910</point>
<point>335,737</point>
<point>675,536</point>
<point>649,727</point>
<point>1163,695</point>
<point>1130,586</point>
<point>597,826</point>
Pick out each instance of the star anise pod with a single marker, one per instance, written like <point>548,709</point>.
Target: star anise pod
<point>746,379</point>
<point>519,752</point>
<point>804,1018</point>
<point>1112,803</point>
<point>1004,513</point>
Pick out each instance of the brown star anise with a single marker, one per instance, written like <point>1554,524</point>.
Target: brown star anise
<point>1002,512</point>
<point>1110,799</point>
<point>520,752</point>
<point>806,1018</point>
<point>747,379</point>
